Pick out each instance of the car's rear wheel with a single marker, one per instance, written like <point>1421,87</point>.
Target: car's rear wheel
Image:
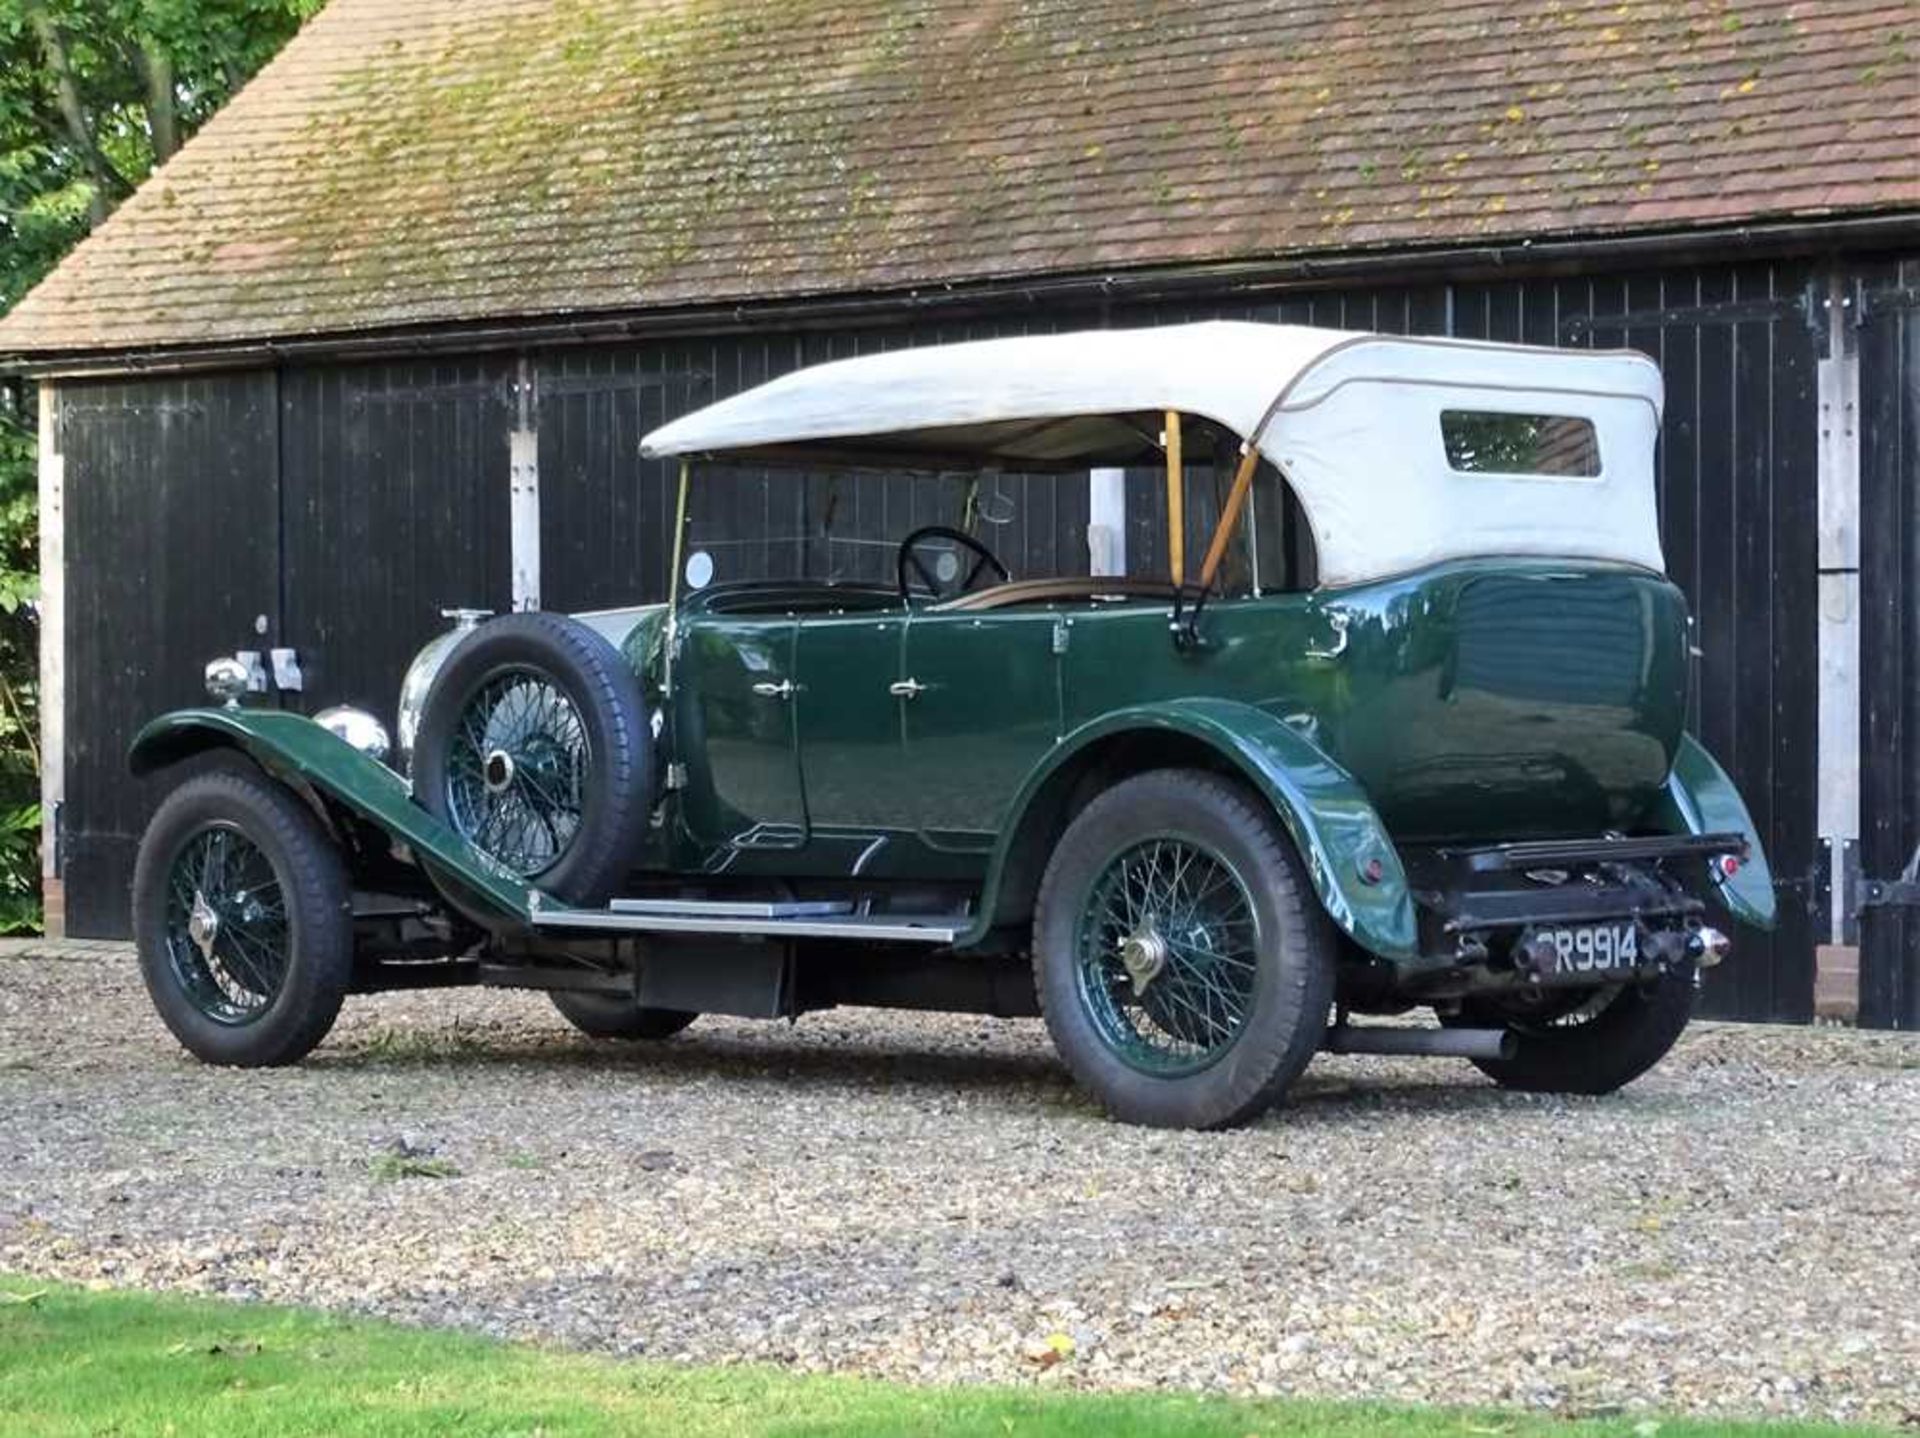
<point>533,746</point>
<point>1586,1044</point>
<point>243,919</point>
<point>1183,966</point>
<point>609,1016</point>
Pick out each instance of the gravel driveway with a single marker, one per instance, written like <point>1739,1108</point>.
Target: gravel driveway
<point>927,1198</point>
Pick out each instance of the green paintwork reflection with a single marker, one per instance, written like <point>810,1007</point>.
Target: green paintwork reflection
<point>1325,812</point>
<point>745,792</point>
<point>850,725</point>
<point>1701,799</point>
<point>1485,701</point>
<point>989,711</point>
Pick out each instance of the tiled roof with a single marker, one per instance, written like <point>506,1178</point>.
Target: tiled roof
<point>450,160</point>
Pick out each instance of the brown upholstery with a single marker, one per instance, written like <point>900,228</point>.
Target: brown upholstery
<point>1065,588</point>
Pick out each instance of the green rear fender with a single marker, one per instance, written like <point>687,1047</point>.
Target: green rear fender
<point>298,752</point>
<point>1327,814</point>
<point>1701,799</point>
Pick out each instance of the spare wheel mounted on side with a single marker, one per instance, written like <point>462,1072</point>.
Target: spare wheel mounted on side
<point>534,747</point>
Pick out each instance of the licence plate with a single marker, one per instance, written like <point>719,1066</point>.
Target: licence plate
<point>1590,948</point>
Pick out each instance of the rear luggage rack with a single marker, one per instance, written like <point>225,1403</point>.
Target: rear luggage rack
<point>1570,904</point>
<point>1552,853</point>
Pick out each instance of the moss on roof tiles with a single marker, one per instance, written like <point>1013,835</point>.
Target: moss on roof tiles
<point>468,159</point>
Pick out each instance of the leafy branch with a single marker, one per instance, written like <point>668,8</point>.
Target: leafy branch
<point>94,94</point>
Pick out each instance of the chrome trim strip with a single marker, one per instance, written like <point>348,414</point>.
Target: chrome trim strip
<point>733,908</point>
<point>932,929</point>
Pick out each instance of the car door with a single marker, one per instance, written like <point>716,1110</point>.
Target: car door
<point>982,708</point>
<point>736,736</point>
<point>849,719</point>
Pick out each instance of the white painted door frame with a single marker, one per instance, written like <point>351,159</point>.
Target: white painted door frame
<point>53,658</point>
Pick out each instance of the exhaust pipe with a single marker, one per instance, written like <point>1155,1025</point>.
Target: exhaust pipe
<point>1422,1043</point>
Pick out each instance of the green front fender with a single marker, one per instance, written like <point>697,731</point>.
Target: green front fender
<point>297,751</point>
<point>1702,799</point>
<point>1326,813</point>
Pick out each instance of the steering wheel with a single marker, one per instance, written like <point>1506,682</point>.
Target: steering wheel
<point>942,586</point>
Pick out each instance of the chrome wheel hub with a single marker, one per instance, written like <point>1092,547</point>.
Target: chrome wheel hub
<point>203,925</point>
<point>1143,954</point>
<point>1167,956</point>
<point>499,771</point>
<point>228,936</point>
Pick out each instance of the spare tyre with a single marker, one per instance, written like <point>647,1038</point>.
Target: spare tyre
<point>533,746</point>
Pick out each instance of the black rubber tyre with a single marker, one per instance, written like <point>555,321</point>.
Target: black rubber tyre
<point>606,1016</point>
<point>255,825</point>
<point>1595,1054</point>
<point>600,692</point>
<point>1287,963</point>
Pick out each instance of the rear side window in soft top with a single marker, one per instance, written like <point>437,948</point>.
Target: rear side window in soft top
<point>1548,445</point>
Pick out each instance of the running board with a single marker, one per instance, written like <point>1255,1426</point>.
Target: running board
<point>798,920</point>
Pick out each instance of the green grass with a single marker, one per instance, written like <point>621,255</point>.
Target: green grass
<point>75,1361</point>
<point>390,1167</point>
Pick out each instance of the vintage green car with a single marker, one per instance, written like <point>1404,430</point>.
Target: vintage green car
<point>1408,732</point>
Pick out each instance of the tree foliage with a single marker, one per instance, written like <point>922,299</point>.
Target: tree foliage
<point>94,94</point>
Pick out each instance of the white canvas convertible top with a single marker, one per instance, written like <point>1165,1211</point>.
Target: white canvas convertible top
<point>1352,420</point>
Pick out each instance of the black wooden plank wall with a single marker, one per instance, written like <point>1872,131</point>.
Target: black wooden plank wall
<point>1887,305</point>
<point>1740,526</point>
<point>391,484</point>
<point>172,557</point>
<point>340,506</point>
<point>606,515</point>
<point>393,500</point>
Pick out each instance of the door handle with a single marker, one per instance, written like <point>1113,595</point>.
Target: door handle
<point>783,690</point>
<point>906,688</point>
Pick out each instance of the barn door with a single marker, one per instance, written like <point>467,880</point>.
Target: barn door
<point>396,487</point>
<point>171,528</point>
<point>1886,890</point>
<point>1739,518</point>
<point>329,511</point>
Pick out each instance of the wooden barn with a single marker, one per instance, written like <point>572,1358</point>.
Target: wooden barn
<point>383,338</point>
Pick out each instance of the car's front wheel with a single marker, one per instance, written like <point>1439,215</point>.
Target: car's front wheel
<point>1184,968</point>
<point>243,919</point>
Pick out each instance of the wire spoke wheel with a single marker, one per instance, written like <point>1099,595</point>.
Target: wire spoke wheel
<point>1181,962</point>
<point>534,745</point>
<point>517,768</point>
<point>1551,1013</point>
<point>1167,956</point>
<point>227,936</point>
